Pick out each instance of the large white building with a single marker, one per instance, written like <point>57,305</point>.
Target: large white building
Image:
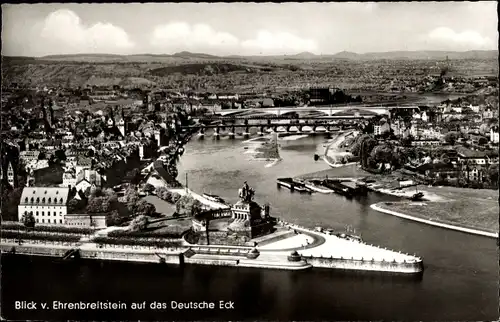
<point>494,134</point>
<point>48,204</point>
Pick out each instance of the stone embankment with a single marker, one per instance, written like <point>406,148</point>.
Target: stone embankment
<point>346,254</point>
<point>321,250</point>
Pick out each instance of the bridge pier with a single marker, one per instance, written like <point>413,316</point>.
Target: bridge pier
<point>231,133</point>
<point>216,134</point>
<point>261,131</point>
<point>201,135</point>
<point>246,134</point>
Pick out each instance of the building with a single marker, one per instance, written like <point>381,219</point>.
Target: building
<point>474,108</point>
<point>439,171</point>
<point>83,163</point>
<point>91,176</point>
<point>28,156</point>
<point>69,179</point>
<point>494,134</point>
<point>47,204</point>
<point>474,157</point>
<point>431,133</point>
<point>425,142</point>
<point>381,127</point>
<point>320,94</point>
<point>10,174</point>
<point>85,220</point>
<point>424,117</point>
<point>158,176</point>
<point>488,113</point>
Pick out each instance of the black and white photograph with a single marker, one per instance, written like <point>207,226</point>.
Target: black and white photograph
<point>333,161</point>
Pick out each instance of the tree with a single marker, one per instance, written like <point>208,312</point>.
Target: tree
<point>144,208</point>
<point>99,205</point>
<point>149,188</point>
<point>60,155</point>
<point>131,196</point>
<point>28,220</point>
<point>482,141</point>
<point>113,218</point>
<point>451,138</point>
<point>139,223</point>
<point>134,176</point>
<point>74,205</point>
<point>187,205</point>
<point>492,174</point>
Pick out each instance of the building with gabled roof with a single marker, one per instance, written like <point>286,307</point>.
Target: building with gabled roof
<point>47,204</point>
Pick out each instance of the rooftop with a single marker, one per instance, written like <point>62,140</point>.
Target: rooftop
<point>44,196</point>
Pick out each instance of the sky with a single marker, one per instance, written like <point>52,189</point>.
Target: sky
<point>247,28</point>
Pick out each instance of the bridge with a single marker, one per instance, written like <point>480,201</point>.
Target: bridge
<point>357,110</point>
<point>287,116</point>
<point>285,126</point>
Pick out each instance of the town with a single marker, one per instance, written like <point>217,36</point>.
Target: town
<point>288,161</point>
<point>103,146</point>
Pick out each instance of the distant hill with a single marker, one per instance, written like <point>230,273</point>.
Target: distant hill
<point>110,69</point>
<point>346,55</point>
<point>185,55</point>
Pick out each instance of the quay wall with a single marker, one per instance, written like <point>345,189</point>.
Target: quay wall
<point>60,250</point>
<point>366,265</point>
<point>213,262</point>
<point>34,250</point>
<point>413,266</point>
<point>172,258</point>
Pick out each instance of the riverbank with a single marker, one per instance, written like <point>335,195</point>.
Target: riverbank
<point>383,207</point>
<point>334,155</point>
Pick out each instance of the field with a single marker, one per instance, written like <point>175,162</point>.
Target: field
<point>469,208</point>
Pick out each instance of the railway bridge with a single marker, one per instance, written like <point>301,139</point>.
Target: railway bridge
<point>356,110</point>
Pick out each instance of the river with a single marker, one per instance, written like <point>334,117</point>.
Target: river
<point>460,281</point>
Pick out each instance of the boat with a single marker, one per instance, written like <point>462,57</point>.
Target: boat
<point>214,198</point>
<point>419,196</point>
<point>350,234</point>
<point>292,184</point>
<point>357,189</point>
<point>349,237</point>
<point>337,187</point>
<point>316,186</point>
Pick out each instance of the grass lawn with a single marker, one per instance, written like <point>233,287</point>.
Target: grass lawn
<point>468,212</point>
<point>170,225</point>
<point>161,206</point>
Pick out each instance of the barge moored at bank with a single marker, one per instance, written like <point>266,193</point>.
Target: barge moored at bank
<point>293,185</point>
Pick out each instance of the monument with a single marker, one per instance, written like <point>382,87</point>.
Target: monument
<point>236,225</point>
<point>249,218</point>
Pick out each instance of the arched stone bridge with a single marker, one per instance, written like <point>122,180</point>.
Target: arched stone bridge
<point>284,126</point>
<point>327,111</point>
